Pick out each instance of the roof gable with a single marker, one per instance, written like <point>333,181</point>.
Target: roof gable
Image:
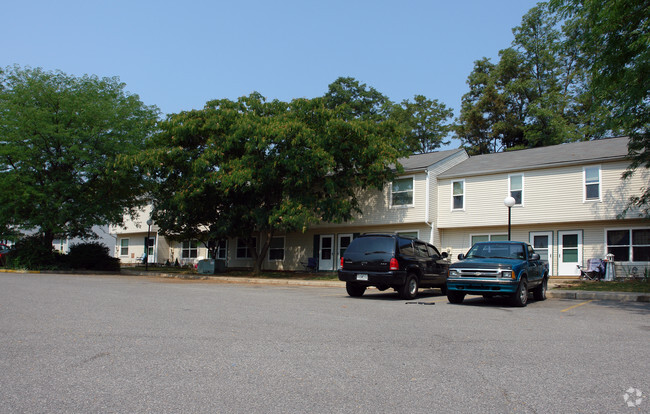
<point>419,162</point>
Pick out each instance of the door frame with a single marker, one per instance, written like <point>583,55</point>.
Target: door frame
<point>568,270</point>
<point>551,245</point>
<point>328,265</point>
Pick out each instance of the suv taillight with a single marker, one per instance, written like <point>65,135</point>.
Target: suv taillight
<point>393,264</point>
<point>341,262</point>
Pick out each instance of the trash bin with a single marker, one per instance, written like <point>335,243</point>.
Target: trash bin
<point>211,266</point>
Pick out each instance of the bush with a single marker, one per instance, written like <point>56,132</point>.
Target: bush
<point>92,256</point>
<point>31,253</point>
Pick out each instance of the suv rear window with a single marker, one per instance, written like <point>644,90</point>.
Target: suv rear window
<point>372,245</point>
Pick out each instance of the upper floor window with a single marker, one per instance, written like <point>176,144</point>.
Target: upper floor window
<point>402,192</point>
<point>276,248</point>
<point>190,249</point>
<point>516,185</point>
<point>458,195</point>
<point>477,238</point>
<point>592,183</point>
<point>629,245</point>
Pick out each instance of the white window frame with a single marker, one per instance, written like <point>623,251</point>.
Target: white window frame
<point>412,204</point>
<point>522,188</point>
<point>463,195</point>
<point>189,249</point>
<point>128,242</point>
<point>630,246</point>
<point>585,183</point>
<point>283,249</point>
<point>489,236</point>
<point>246,250</point>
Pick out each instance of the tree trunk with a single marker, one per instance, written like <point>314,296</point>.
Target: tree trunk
<point>258,257</point>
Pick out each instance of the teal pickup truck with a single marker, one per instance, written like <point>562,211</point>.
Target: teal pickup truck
<point>501,268</point>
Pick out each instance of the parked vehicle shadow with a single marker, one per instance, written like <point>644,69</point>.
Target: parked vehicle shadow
<point>374,294</point>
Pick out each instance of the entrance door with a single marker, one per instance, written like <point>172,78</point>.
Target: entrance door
<point>569,253</point>
<point>344,242</point>
<point>326,253</point>
<point>542,242</point>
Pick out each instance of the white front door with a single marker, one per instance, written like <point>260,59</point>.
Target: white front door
<point>569,252</point>
<point>326,253</point>
<point>542,242</point>
<point>344,242</point>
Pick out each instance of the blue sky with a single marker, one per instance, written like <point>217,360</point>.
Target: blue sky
<point>178,55</point>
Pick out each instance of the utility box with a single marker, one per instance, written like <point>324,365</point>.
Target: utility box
<point>211,266</point>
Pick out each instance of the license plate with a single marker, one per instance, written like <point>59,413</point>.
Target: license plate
<point>362,277</point>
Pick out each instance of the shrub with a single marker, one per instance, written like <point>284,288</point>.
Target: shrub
<point>31,253</point>
<point>92,256</point>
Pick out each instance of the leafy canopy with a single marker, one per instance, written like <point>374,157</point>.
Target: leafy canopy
<point>253,167</point>
<point>60,140</point>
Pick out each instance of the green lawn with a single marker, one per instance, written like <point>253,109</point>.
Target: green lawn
<point>640,286</point>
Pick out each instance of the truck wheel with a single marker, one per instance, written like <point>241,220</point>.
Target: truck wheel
<point>354,290</point>
<point>410,288</point>
<point>520,298</point>
<point>454,296</point>
<point>539,293</point>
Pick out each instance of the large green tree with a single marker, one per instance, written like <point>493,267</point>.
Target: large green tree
<point>615,37</point>
<point>539,92</point>
<point>61,138</point>
<point>255,169</point>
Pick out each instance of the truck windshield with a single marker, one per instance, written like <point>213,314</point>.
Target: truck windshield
<point>497,251</point>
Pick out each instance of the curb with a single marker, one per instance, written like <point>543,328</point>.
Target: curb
<point>592,295</point>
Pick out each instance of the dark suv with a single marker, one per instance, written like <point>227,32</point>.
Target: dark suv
<point>392,261</point>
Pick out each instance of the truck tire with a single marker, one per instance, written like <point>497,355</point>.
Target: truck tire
<point>410,288</point>
<point>454,296</point>
<point>539,293</point>
<point>520,298</point>
<point>354,289</point>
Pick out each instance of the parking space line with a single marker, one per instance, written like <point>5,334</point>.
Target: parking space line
<point>575,306</point>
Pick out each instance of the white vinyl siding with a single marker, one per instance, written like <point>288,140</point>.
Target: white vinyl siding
<point>551,195</point>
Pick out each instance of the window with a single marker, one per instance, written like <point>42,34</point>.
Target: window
<point>458,195</point>
<point>276,248</point>
<point>402,192</point>
<point>592,183</point>
<point>516,185</point>
<point>243,252</point>
<point>124,247</point>
<point>421,249</point>
<point>477,238</point>
<point>222,249</point>
<point>190,249</point>
<point>629,245</point>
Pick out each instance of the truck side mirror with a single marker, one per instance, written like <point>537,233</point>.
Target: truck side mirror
<point>534,256</point>
<point>444,255</point>
<point>461,256</point>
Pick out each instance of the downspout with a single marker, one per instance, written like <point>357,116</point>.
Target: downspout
<point>426,206</point>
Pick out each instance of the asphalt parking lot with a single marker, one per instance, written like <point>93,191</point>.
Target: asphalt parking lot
<point>136,344</point>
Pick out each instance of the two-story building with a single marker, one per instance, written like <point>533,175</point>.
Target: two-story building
<point>567,201</point>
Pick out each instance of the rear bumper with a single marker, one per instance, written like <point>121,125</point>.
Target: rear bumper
<point>480,286</point>
<point>394,277</point>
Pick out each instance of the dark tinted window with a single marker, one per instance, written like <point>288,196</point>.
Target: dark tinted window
<point>372,245</point>
<point>406,247</point>
<point>421,249</point>
<point>432,250</point>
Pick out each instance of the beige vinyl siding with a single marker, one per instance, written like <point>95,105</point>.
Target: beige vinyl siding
<point>550,195</point>
<point>458,240</point>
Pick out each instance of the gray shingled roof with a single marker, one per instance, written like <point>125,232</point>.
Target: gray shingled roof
<point>423,161</point>
<point>584,152</point>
